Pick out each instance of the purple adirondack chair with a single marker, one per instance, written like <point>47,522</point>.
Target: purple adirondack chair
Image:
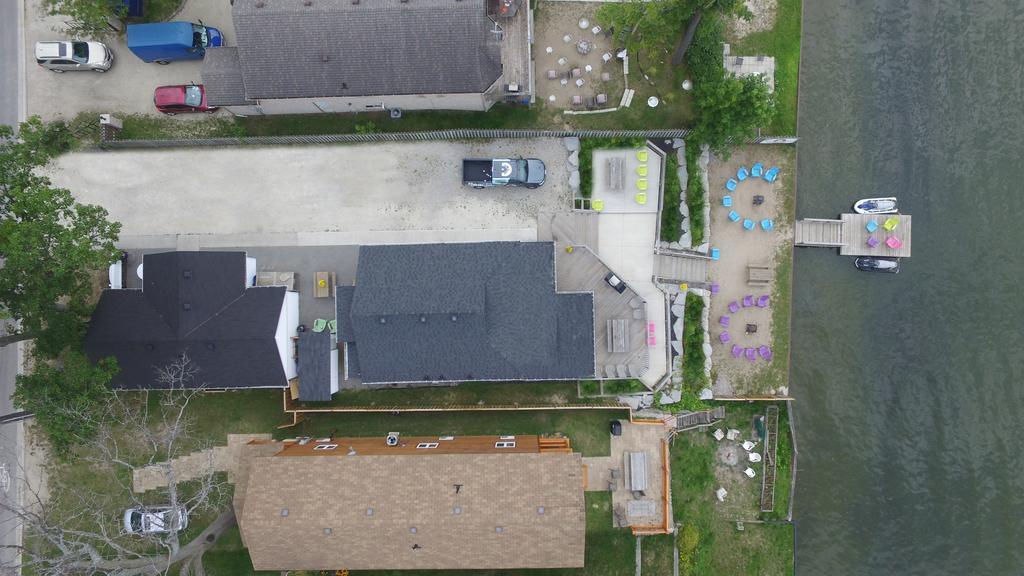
<point>765,352</point>
<point>762,302</point>
<point>750,353</point>
<point>734,307</point>
<point>714,287</point>
<point>724,337</point>
<point>724,320</point>
<point>748,300</point>
<point>736,351</point>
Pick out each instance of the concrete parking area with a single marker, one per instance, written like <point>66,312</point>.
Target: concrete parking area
<point>127,88</point>
<point>312,195</point>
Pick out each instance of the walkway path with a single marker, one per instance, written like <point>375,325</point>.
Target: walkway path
<point>197,464</point>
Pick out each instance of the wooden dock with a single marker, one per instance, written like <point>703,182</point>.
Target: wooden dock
<point>850,235</point>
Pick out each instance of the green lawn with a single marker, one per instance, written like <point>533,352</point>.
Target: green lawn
<point>656,554</point>
<point>721,549</point>
<point>467,394</point>
<point>782,42</point>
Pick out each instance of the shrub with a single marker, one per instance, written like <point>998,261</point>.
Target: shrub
<point>624,386</point>
<point>704,58</point>
<point>671,219</point>
<point>694,192</point>
<point>590,388</point>
<point>693,344</point>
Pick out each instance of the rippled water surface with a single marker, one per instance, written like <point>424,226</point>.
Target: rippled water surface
<point>910,392</point>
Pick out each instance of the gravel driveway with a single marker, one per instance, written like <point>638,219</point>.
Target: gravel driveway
<point>127,88</point>
<point>291,189</point>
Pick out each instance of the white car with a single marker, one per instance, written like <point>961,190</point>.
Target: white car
<point>155,519</point>
<point>62,56</point>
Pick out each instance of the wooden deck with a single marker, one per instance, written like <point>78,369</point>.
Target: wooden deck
<point>582,271</point>
<point>818,232</point>
<point>376,446</point>
<point>771,442</point>
<point>855,236</point>
<point>515,49</point>
<point>578,228</point>
<point>850,235</point>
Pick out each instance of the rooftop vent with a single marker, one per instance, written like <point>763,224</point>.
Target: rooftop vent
<point>307,3</point>
<point>186,274</point>
<point>355,1</point>
<point>392,439</point>
<point>454,317</point>
<point>259,4</point>
<point>423,319</point>
<point>149,346</point>
<point>383,320</point>
<point>186,306</point>
<point>211,346</point>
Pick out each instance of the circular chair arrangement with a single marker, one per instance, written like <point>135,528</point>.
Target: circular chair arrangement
<point>742,174</point>
<point>751,354</point>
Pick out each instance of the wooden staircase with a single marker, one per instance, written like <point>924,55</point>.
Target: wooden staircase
<point>771,443</point>
<point>559,445</point>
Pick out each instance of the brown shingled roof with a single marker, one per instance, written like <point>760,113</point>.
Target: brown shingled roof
<point>511,510</point>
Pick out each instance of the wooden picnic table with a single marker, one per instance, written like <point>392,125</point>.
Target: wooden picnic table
<point>322,285</point>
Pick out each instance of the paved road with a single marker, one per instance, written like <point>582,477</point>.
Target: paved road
<point>9,58</point>
<point>10,449</point>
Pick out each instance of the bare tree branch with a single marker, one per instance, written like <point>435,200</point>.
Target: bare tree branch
<point>81,530</point>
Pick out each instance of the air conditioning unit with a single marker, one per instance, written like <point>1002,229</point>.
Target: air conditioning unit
<point>392,439</point>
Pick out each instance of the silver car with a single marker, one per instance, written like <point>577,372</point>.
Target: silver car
<point>155,519</point>
<point>62,56</point>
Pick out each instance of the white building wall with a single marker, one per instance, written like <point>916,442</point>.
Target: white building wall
<point>344,104</point>
<point>287,326</point>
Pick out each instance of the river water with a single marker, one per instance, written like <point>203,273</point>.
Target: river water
<point>910,395</point>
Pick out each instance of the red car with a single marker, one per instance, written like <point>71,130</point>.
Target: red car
<point>173,100</point>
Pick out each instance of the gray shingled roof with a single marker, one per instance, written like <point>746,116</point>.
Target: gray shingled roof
<point>194,302</point>
<point>222,77</point>
<point>374,47</point>
<point>482,311</point>
<point>314,366</point>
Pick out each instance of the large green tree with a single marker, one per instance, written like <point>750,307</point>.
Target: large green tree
<point>700,7</point>
<point>731,110</point>
<point>648,25</point>
<point>87,17</point>
<point>50,244</point>
<point>68,396</point>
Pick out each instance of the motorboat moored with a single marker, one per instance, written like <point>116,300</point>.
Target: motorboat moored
<point>869,264</point>
<point>875,206</point>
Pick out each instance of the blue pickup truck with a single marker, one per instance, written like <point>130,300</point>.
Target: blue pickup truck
<point>166,42</point>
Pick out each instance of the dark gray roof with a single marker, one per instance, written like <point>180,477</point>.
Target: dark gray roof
<point>222,77</point>
<point>482,311</point>
<point>374,47</point>
<point>194,303</point>
<point>315,366</point>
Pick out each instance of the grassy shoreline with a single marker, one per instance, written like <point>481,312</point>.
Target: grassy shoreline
<point>781,41</point>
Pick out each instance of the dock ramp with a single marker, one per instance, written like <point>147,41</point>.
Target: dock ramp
<point>818,232</point>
